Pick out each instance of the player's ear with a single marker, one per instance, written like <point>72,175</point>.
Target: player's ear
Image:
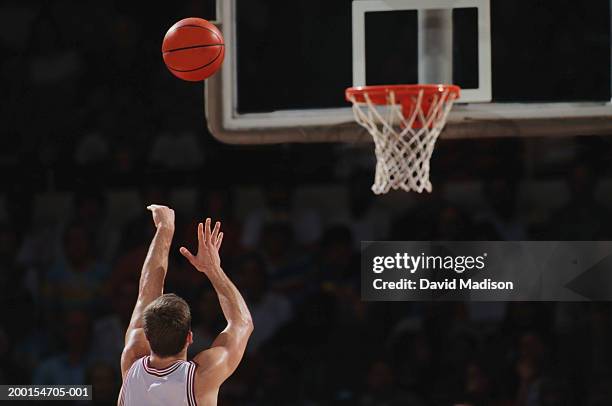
<point>190,338</point>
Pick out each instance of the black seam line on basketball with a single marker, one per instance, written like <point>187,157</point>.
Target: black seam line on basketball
<point>198,68</point>
<point>192,47</point>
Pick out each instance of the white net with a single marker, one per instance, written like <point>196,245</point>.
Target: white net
<point>404,140</point>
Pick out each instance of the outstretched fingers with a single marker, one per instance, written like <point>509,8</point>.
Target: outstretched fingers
<point>215,233</point>
<point>200,234</point>
<point>219,240</point>
<point>208,236</point>
<point>207,232</point>
<point>185,252</point>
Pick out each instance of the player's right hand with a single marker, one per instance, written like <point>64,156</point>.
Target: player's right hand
<point>163,217</point>
<point>207,259</point>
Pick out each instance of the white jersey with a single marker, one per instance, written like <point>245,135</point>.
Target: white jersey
<point>145,385</point>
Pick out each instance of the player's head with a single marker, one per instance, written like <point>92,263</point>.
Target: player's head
<point>167,325</point>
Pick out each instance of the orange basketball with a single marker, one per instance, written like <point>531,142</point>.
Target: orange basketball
<point>193,49</point>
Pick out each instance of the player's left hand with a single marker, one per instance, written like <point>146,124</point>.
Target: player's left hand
<point>209,242</point>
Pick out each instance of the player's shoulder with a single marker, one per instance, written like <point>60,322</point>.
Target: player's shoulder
<point>133,367</point>
<point>210,359</point>
<point>211,367</point>
<point>205,384</point>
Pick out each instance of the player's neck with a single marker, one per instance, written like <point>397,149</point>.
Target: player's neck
<point>161,363</point>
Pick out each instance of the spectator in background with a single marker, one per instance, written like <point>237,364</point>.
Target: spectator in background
<point>336,275</point>
<point>276,384</point>
<point>51,60</point>
<point>53,67</point>
<point>12,369</point>
<point>270,310</point>
<point>69,365</point>
<point>134,247</point>
<point>418,223</point>
<point>19,198</point>
<point>91,210</point>
<point>413,353</point>
<point>11,273</point>
<point>381,388</point>
<point>135,236</point>
<point>109,330</point>
<point>337,256</point>
<point>5,356</point>
<point>92,150</point>
<point>452,224</point>
<point>477,385</point>
<point>206,320</point>
<point>526,316</point>
<point>501,217</point>
<point>599,392</point>
<point>280,208</point>
<point>77,279</point>
<point>588,344</point>
<point>40,244</point>
<point>528,372</point>
<point>289,268</point>
<point>105,382</point>
<point>30,338</point>
<point>582,218</point>
<point>277,246</point>
<point>178,146</point>
<point>532,362</point>
<point>367,221</point>
<point>555,391</point>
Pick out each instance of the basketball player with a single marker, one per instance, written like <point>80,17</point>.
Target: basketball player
<point>154,362</point>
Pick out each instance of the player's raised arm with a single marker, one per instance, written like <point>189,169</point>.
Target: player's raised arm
<point>216,364</point>
<point>151,286</point>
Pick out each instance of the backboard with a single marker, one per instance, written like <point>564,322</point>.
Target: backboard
<point>526,68</point>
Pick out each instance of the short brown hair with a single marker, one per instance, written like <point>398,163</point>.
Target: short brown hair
<point>167,321</point>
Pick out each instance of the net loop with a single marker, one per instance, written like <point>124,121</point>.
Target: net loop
<point>404,132</point>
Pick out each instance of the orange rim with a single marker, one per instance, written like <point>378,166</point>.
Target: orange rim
<point>380,94</point>
<point>407,96</point>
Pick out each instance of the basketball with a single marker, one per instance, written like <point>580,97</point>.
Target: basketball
<point>193,49</point>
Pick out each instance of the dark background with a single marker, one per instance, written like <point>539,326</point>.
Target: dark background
<point>94,128</point>
<point>297,54</point>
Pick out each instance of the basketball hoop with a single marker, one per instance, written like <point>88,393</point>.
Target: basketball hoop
<point>405,130</point>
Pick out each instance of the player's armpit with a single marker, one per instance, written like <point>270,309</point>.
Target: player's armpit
<point>136,347</point>
<point>220,361</point>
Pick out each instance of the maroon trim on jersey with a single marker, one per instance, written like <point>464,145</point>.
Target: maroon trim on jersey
<point>159,372</point>
<point>191,399</point>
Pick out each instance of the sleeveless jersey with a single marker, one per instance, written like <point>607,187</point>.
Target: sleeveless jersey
<point>145,385</point>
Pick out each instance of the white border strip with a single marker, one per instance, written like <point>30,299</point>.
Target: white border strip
<point>529,111</point>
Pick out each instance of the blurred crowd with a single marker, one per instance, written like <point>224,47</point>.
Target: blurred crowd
<point>85,114</point>
<point>69,289</point>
